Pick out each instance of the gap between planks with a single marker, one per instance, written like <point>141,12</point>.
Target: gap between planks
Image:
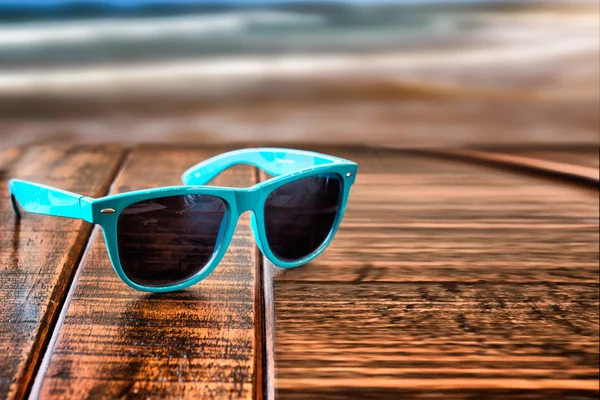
<point>260,338</point>
<point>526,165</point>
<point>268,329</point>
<point>39,371</point>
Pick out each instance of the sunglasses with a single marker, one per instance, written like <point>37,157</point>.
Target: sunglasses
<point>170,238</point>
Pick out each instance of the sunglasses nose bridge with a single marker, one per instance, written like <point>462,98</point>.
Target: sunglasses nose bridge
<point>245,200</point>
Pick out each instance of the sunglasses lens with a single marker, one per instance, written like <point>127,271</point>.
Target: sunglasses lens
<point>300,215</point>
<point>165,241</point>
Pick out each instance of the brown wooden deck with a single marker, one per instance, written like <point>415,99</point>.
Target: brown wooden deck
<point>448,279</point>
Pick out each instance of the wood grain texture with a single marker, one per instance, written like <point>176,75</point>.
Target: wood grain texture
<point>39,254</point>
<point>117,342</point>
<point>446,279</point>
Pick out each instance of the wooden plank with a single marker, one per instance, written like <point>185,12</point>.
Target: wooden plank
<point>199,343</point>
<point>432,337</point>
<point>39,254</point>
<point>430,218</point>
<point>446,279</point>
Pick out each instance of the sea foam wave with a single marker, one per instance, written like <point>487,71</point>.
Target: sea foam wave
<point>72,32</point>
<point>195,72</point>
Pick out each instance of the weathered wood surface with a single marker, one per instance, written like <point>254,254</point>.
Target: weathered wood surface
<point>446,279</point>
<point>39,255</point>
<point>116,342</point>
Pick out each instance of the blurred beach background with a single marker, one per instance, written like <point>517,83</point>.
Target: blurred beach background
<point>404,73</point>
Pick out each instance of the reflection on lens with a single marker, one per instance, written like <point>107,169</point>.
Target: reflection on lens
<point>168,240</point>
<point>300,215</point>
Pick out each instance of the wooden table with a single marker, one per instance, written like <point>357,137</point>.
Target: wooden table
<point>449,278</point>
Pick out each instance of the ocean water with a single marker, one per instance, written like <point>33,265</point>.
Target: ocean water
<point>132,51</point>
<point>452,75</point>
<point>79,39</point>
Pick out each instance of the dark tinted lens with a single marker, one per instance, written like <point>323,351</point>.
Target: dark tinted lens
<point>300,215</point>
<point>165,241</point>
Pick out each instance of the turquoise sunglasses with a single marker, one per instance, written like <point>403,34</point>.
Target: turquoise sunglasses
<point>170,238</point>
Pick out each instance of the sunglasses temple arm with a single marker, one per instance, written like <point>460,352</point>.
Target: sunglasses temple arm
<point>273,161</point>
<point>41,199</point>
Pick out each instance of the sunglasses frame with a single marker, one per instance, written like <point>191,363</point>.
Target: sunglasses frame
<point>287,165</point>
